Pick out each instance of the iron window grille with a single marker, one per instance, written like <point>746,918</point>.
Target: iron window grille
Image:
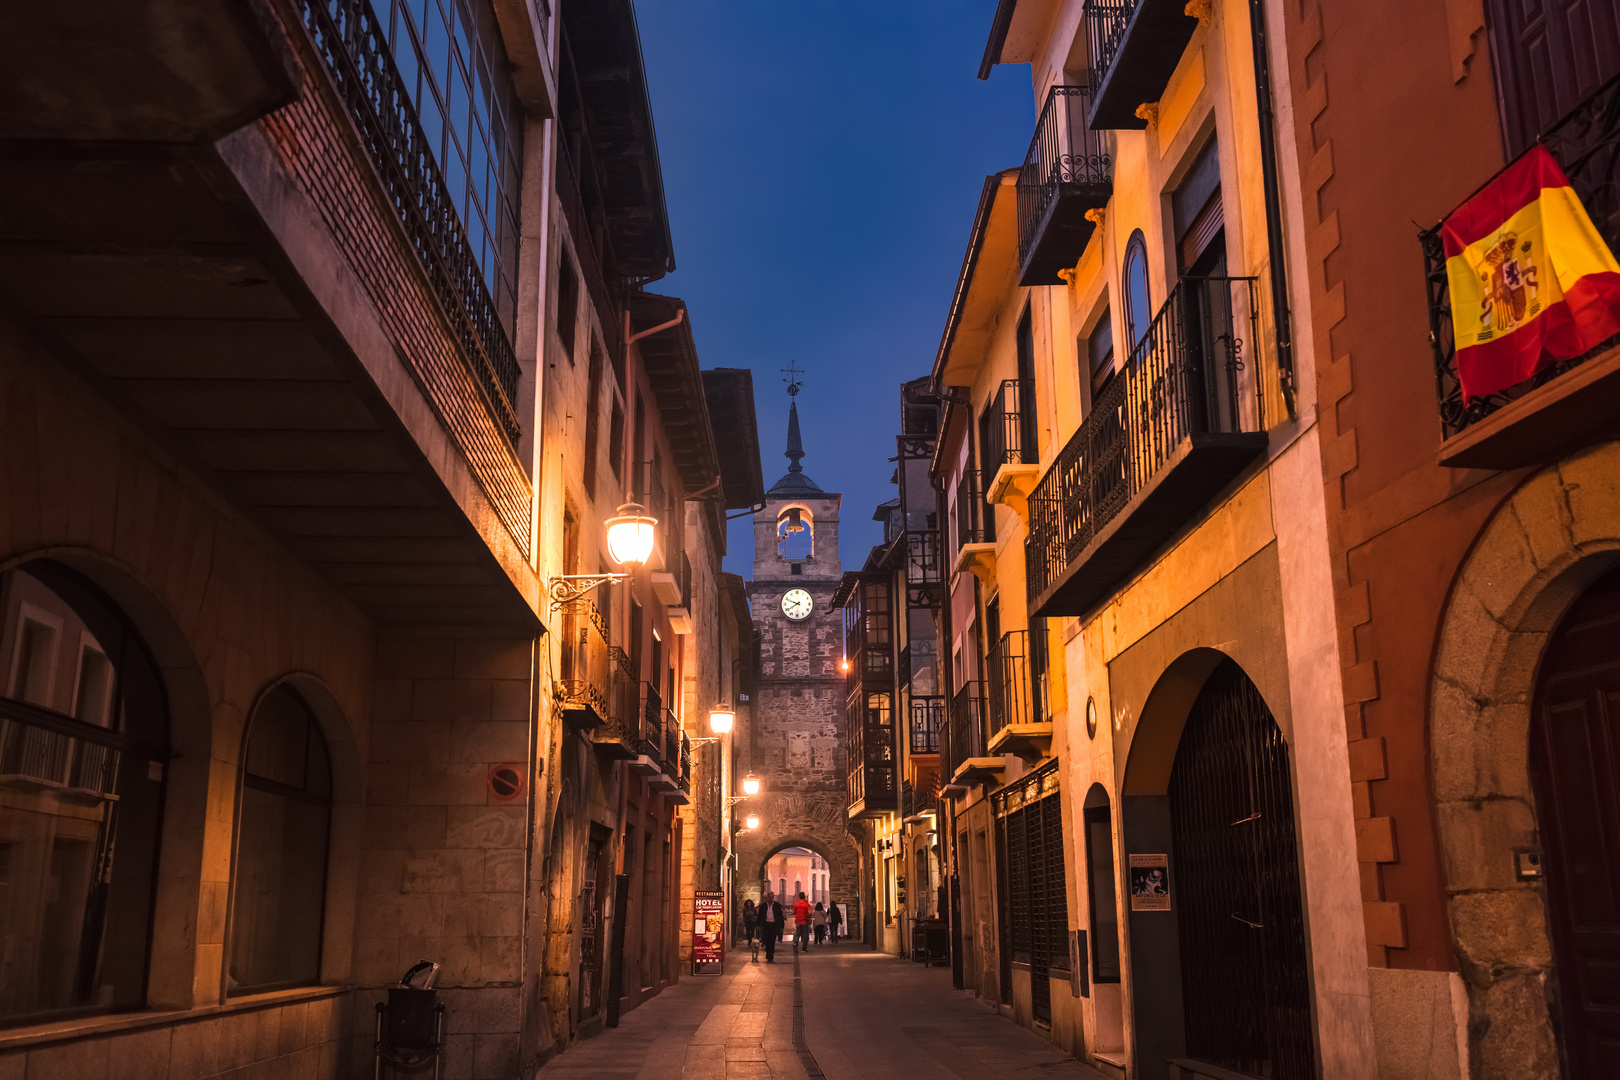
<point>1063,151</point>
<point>1586,143</point>
<point>1186,376</point>
<point>460,264</point>
<point>1035,893</point>
<point>927,714</point>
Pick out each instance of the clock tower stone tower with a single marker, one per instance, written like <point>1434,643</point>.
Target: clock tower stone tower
<point>796,738</point>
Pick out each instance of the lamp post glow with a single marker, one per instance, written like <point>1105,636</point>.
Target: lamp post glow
<point>750,785</point>
<point>720,719</point>
<point>630,535</point>
<point>751,821</point>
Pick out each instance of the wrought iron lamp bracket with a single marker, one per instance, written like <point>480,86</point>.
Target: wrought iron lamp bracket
<point>566,589</point>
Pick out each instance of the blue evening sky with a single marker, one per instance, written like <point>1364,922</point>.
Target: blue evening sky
<point>822,161</point>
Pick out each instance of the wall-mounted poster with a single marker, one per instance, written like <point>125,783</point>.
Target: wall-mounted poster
<point>708,928</point>
<point>1150,882</point>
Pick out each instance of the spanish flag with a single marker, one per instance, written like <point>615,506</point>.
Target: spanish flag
<point>1532,282</point>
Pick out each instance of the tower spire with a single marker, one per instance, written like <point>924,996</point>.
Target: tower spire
<point>795,444</point>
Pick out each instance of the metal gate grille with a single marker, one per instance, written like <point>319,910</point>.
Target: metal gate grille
<point>1244,975</point>
<point>1036,901</point>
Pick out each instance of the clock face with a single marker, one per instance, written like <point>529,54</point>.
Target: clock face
<point>796,604</point>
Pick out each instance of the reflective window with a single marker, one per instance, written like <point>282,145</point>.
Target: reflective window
<point>1138,304</point>
<point>280,881</point>
<point>450,57</point>
<point>83,746</point>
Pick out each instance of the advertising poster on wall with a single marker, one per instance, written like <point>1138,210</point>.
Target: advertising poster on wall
<point>1150,883</point>
<point>708,928</point>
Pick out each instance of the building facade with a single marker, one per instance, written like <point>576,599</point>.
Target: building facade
<point>1146,796</point>
<point>318,391</point>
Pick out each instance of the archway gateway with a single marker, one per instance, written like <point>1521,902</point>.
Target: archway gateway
<point>1218,960</point>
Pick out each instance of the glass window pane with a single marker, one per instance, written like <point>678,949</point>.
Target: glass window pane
<point>75,876</point>
<point>280,885</point>
<point>276,750</point>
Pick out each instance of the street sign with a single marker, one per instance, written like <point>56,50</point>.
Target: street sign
<point>708,929</point>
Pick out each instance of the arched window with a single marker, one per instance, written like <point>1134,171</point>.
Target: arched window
<point>84,737</point>
<point>1100,886</point>
<point>280,881</point>
<point>1134,280</point>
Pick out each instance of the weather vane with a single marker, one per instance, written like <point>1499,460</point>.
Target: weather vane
<point>792,373</point>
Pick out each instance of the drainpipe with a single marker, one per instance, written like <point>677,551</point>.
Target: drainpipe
<point>680,317</point>
<point>1276,249</point>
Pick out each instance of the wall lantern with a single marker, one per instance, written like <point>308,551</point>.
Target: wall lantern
<point>751,821</point>
<point>721,718</point>
<point>630,537</point>
<point>843,665</point>
<point>750,784</point>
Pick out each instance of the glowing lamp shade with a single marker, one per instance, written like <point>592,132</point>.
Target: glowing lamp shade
<point>630,535</point>
<point>752,821</point>
<point>750,785</point>
<point>720,719</point>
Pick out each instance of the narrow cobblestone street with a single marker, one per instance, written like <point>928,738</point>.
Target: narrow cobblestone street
<point>865,1016</point>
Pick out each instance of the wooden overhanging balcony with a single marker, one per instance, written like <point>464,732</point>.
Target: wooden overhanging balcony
<point>1163,437</point>
<point>1066,173</point>
<point>1019,723</point>
<point>1135,46</point>
<point>1574,401</point>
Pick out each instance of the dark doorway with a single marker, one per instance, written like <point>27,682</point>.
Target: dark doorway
<point>1244,974</point>
<point>1575,767</point>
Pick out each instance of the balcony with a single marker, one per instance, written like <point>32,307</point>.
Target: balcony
<point>1066,173</point>
<point>1572,402</point>
<point>925,567</point>
<point>1019,723</point>
<point>1135,46</point>
<point>1008,456</point>
<point>649,737</point>
<point>616,738</point>
<point>682,795</point>
<point>975,530</point>
<point>966,762</point>
<point>874,787</point>
<point>581,695</point>
<point>667,775</point>
<point>1168,433</point>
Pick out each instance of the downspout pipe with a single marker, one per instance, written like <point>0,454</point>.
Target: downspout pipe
<point>1276,248</point>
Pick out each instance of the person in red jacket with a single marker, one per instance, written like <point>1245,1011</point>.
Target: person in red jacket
<point>801,923</point>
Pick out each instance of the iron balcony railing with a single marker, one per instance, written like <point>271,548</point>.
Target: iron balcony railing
<point>670,752</point>
<point>971,512</point>
<point>1106,23</point>
<point>1064,151</point>
<point>1185,377</point>
<point>1586,143</point>
<point>927,716</point>
<point>623,720</point>
<point>1009,694</point>
<point>685,779</point>
<point>354,47</point>
<point>586,659</point>
<point>966,728</point>
<point>650,741</point>
<point>1006,430</point>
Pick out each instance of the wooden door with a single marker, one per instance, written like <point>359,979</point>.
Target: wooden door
<point>1549,54</point>
<point>1575,766</point>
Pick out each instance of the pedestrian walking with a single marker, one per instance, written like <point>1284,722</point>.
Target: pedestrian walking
<point>750,917</point>
<point>835,919</point>
<point>801,923</point>
<point>770,925</point>
<point>818,921</point>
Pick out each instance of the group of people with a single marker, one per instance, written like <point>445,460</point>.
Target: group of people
<point>767,920</point>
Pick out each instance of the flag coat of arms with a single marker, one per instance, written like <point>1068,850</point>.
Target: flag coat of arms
<point>1532,281</point>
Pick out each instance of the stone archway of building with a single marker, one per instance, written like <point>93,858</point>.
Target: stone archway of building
<point>1555,535</point>
<point>1185,807</point>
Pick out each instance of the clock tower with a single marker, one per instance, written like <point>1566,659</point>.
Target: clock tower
<point>796,737</point>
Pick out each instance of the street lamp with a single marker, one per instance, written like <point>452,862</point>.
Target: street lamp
<point>721,718</point>
<point>750,785</point>
<point>751,821</point>
<point>630,537</point>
